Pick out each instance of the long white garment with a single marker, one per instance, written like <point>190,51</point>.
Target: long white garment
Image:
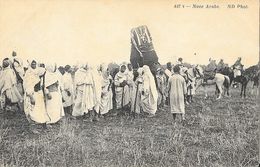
<point>8,85</point>
<point>97,88</point>
<point>136,103</point>
<point>35,112</point>
<point>162,84</point>
<point>54,105</point>
<point>177,90</point>
<point>18,65</point>
<point>106,95</point>
<point>67,92</point>
<point>150,95</point>
<point>130,81</point>
<point>122,93</point>
<point>84,100</point>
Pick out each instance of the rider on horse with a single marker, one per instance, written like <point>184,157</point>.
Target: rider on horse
<point>210,70</point>
<point>220,66</point>
<point>238,67</point>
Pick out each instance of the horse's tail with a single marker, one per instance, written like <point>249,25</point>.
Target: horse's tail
<point>226,82</point>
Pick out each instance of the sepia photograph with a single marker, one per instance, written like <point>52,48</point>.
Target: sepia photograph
<point>132,83</point>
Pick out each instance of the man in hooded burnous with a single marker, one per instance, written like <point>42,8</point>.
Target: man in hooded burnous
<point>106,94</point>
<point>52,86</point>
<point>161,87</point>
<point>136,103</point>
<point>122,88</point>
<point>67,92</point>
<point>17,65</point>
<point>221,65</point>
<point>238,67</point>
<point>149,92</point>
<point>85,99</point>
<point>130,78</point>
<point>34,104</point>
<point>8,85</point>
<point>210,70</point>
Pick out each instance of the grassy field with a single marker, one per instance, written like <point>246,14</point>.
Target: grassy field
<point>215,133</point>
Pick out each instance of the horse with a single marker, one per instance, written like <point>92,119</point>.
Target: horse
<point>219,80</point>
<point>246,75</point>
<point>228,72</point>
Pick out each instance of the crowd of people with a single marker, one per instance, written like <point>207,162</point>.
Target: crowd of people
<point>46,92</point>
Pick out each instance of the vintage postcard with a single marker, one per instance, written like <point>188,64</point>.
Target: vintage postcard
<point>129,83</point>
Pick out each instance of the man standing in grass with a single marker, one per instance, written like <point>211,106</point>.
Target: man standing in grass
<point>177,90</point>
<point>122,88</point>
<point>8,86</point>
<point>149,92</point>
<point>67,93</point>
<point>52,90</point>
<point>34,104</point>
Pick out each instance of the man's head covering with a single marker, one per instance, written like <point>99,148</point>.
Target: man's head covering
<point>126,69</point>
<point>149,82</point>
<point>103,69</point>
<point>86,66</point>
<point>140,71</point>
<point>67,67</point>
<point>147,69</point>
<point>6,63</point>
<point>51,67</point>
<point>176,69</point>
<point>180,59</point>
<point>33,62</point>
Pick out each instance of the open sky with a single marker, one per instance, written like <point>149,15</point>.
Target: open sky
<point>67,31</point>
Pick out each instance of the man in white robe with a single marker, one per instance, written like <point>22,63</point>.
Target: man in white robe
<point>84,100</point>
<point>168,73</point>
<point>52,86</point>
<point>17,65</point>
<point>97,89</point>
<point>136,103</point>
<point>177,89</point>
<point>8,86</point>
<point>130,80</point>
<point>106,95</point>
<point>67,92</point>
<point>161,87</point>
<point>149,93</point>
<point>34,104</point>
<point>122,88</point>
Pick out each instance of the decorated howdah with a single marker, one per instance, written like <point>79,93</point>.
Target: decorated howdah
<point>142,49</point>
